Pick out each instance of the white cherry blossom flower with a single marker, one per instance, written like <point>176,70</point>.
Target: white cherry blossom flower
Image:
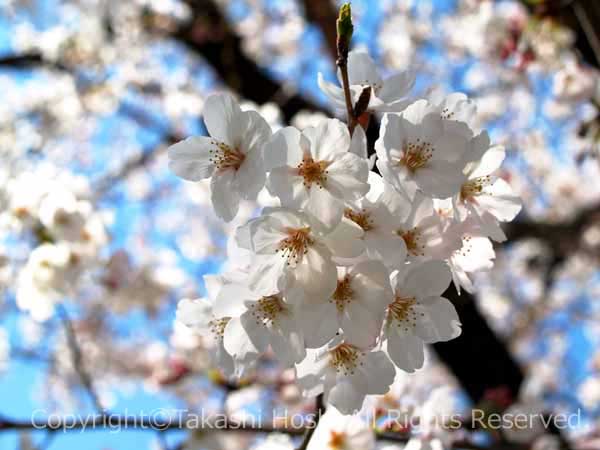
<point>275,441</point>
<point>373,214</point>
<point>357,306</point>
<point>209,317</point>
<point>389,95</point>
<point>265,321</point>
<point>315,171</point>
<point>483,194</point>
<point>457,111</point>
<point>424,233</point>
<point>476,255</point>
<point>345,374</point>
<point>420,156</point>
<point>232,155</point>
<point>339,431</point>
<point>419,315</point>
<point>294,250</point>
<point>63,215</point>
<point>51,273</point>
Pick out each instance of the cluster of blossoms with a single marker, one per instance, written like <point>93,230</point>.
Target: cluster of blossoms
<point>348,271</point>
<point>54,211</point>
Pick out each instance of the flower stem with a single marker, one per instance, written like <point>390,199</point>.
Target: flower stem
<point>319,410</point>
<point>344,35</point>
<point>343,65</point>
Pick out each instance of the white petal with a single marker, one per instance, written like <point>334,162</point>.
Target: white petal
<point>256,134</point>
<point>194,313</point>
<point>250,177</point>
<point>345,240</point>
<point>502,201</point>
<point>405,351</point>
<point>335,93</point>
<point>231,298</point>
<point>441,322</point>
<point>362,69</point>
<point>426,279</point>
<point>236,340</point>
<point>287,185</point>
<point>287,343</point>
<point>358,144</point>
<point>349,393</point>
<point>440,179</point>
<point>347,177</point>
<point>283,149</point>
<point>397,86</point>
<point>316,274</point>
<point>417,111</point>
<point>328,140</point>
<point>223,118</point>
<point>325,209</point>
<point>390,248</point>
<point>318,322</point>
<point>361,325</point>
<point>371,285</point>
<point>225,199</point>
<point>190,159</point>
<point>381,372</point>
<point>490,162</point>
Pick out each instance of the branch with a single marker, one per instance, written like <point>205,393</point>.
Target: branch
<point>209,35</point>
<point>323,14</point>
<point>320,409</point>
<point>147,423</point>
<point>561,237</point>
<point>31,60</point>
<point>77,359</point>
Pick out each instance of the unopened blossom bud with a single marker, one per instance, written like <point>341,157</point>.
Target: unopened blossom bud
<point>344,30</point>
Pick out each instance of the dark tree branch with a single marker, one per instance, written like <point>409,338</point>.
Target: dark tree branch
<point>77,358</point>
<point>323,14</point>
<point>31,60</point>
<point>319,411</point>
<point>209,35</point>
<point>145,423</point>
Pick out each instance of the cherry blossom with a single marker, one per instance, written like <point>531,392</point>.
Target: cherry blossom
<point>337,431</point>
<point>209,317</point>
<point>356,306</point>
<point>484,193</point>
<point>345,374</point>
<point>387,95</point>
<point>232,156</point>
<point>296,251</point>
<point>418,313</point>
<point>265,321</point>
<point>315,170</point>
<point>420,156</point>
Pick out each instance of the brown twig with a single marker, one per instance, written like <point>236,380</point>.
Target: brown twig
<point>319,410</point>
<point>77,359</point>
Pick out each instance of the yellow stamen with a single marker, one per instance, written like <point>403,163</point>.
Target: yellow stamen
<point>313,172</point>
<point>217,327</point>
<point>345,358</point>
<point>473,188</point>
<point>343,293</point>
<point>267,309</point>
<point>416,155</point>
<point>337,441</point>
<point>295,246</point>
<point>362,218</point>
<point>226,157</point>
<point>412,239</point>
<point>403,312</point>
